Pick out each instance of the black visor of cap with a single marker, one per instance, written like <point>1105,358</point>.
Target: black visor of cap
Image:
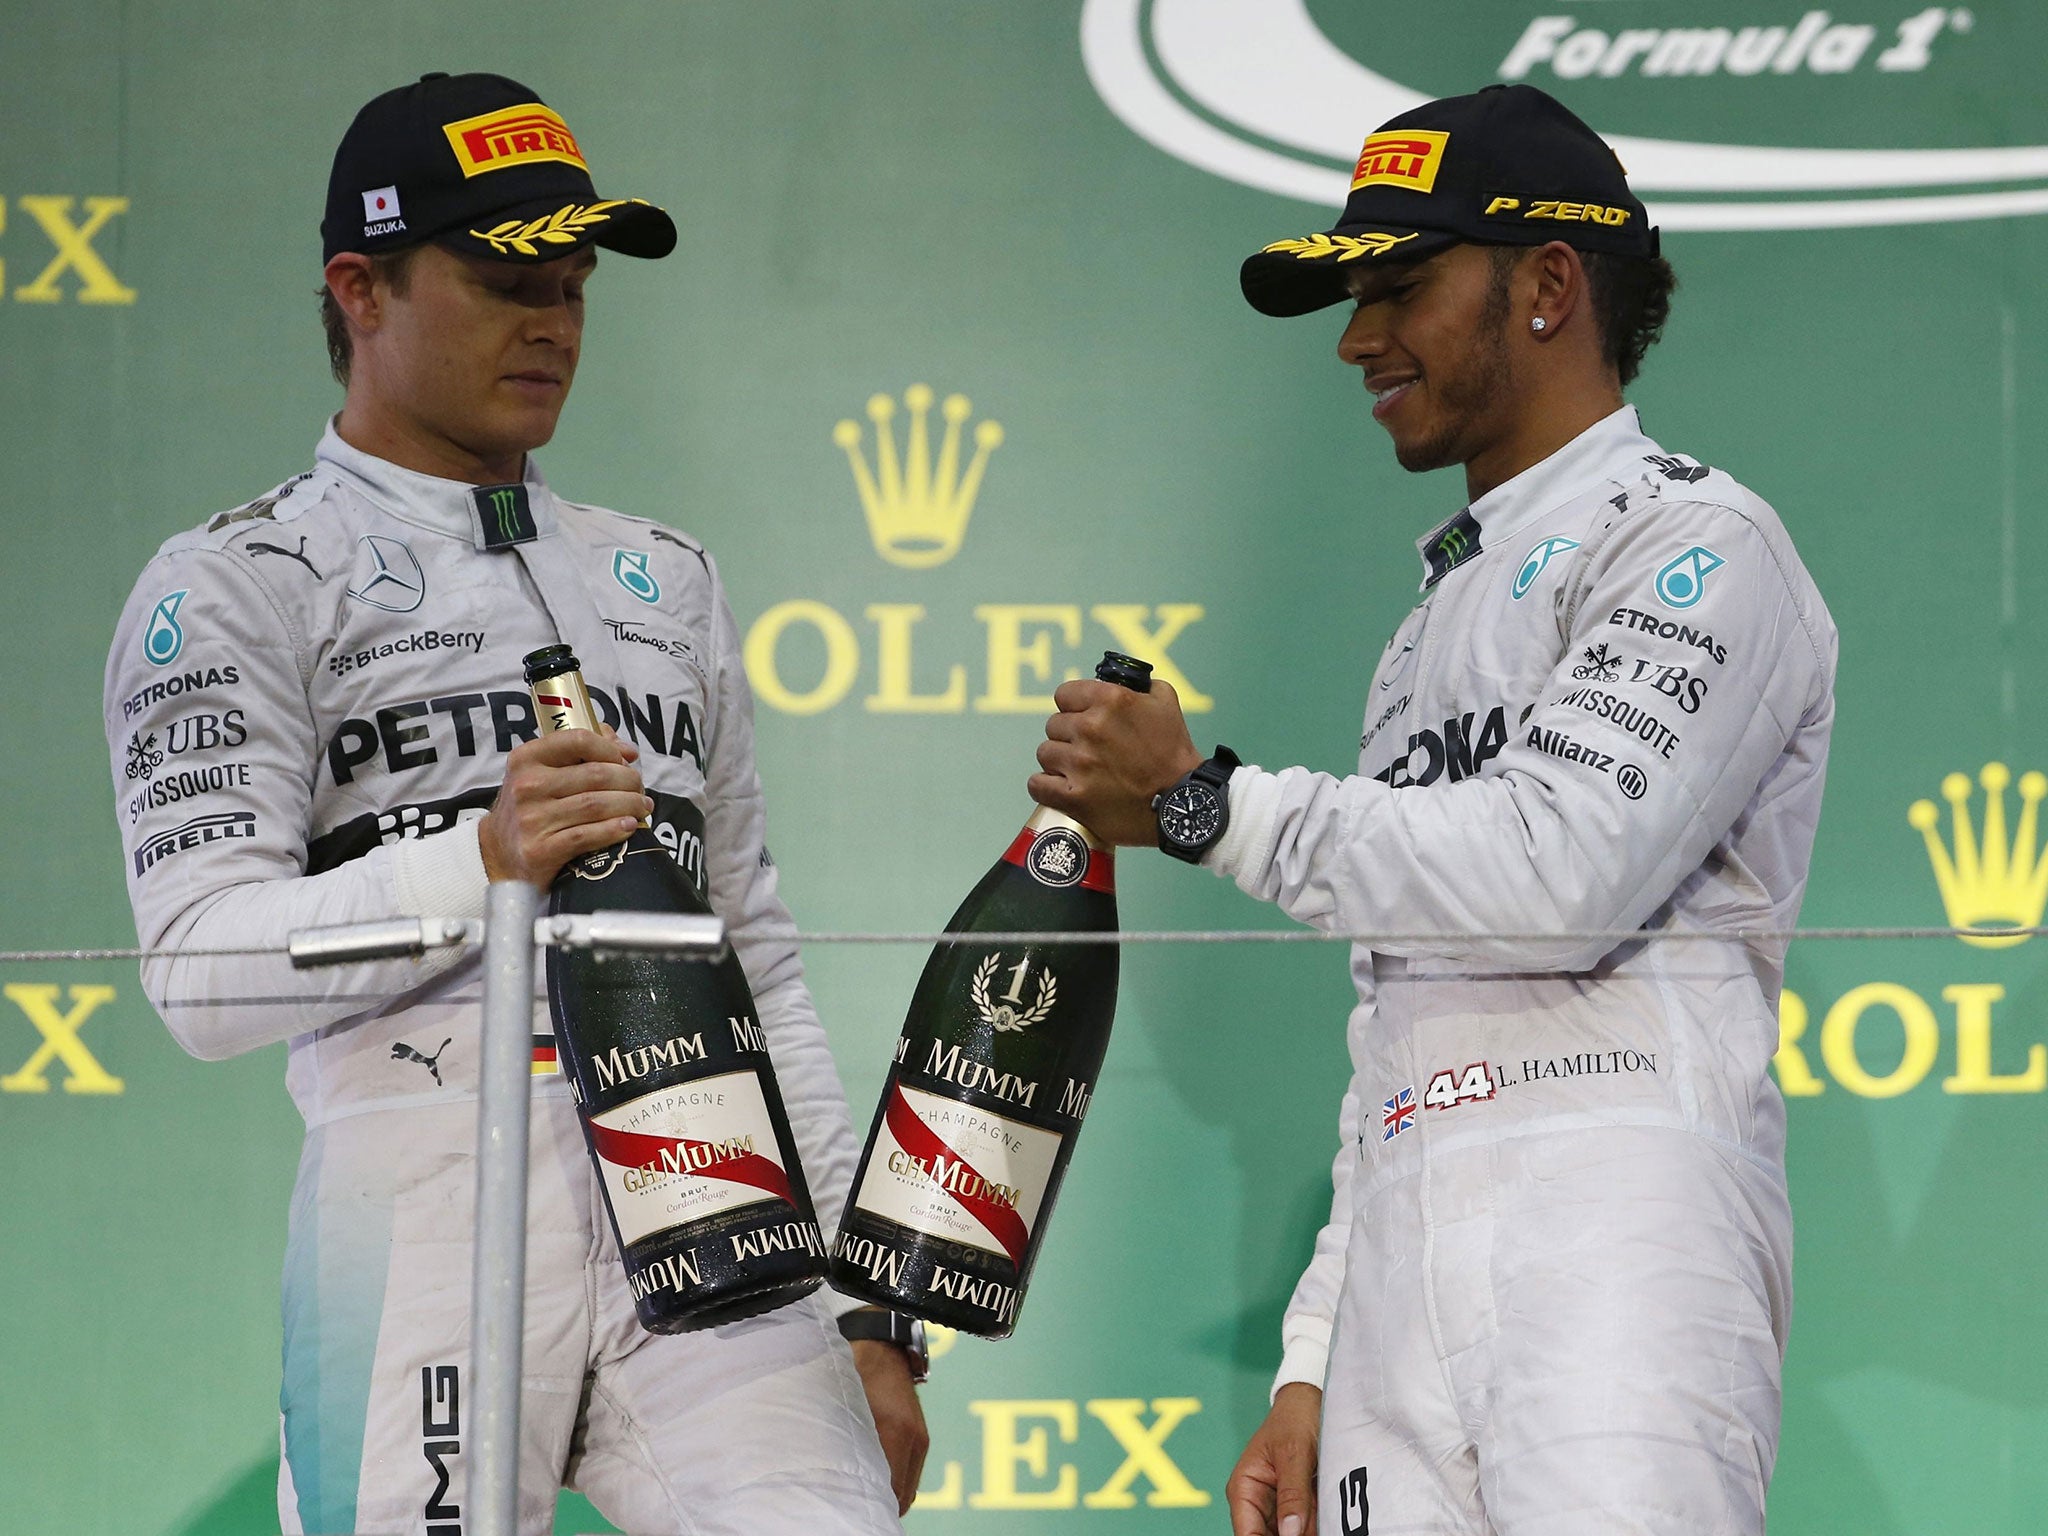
<point>1508,165</point>
<point>1298,277</point>
<point>543,230</point>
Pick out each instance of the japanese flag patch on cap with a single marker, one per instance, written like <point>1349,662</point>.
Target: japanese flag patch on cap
<point>380,211</point>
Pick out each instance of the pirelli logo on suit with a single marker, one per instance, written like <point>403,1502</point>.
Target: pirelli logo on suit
<point>221,826</point>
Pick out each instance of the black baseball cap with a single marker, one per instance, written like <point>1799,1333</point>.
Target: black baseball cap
<point>479,163</point>
<point>1508,165</point>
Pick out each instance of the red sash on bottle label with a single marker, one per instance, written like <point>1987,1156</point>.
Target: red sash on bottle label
<point>929,1148</point>
<point>633,1149</point>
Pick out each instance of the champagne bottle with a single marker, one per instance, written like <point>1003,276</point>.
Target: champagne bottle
<point>670,1071</point>
<point>992,1075</point>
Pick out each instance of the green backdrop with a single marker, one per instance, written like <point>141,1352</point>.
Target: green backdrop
<point>1041,207</point>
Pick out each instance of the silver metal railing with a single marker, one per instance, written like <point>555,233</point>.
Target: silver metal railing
<point>510,934</point>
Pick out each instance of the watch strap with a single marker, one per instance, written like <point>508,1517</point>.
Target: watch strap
<point>1218,768</point>
<point>883,1326</point>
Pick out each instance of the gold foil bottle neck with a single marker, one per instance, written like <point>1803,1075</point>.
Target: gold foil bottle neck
<point>1045,816</point>
<point>563,704</point>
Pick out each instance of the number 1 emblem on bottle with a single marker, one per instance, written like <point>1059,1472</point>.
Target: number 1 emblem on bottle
<point>1008,1012</point>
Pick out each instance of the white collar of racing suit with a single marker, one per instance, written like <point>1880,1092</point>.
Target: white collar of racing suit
<point>1513,505</point>
<point>440,506</point>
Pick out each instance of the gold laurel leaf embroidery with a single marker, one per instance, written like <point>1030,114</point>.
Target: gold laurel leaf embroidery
<point>1322,247</point>
<point>562,227</point>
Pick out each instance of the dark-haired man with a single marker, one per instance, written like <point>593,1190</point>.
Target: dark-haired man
<point>333,672</point>
<point>1553,1293</point>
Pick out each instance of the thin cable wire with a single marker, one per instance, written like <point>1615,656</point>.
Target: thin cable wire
<point>1612,936</point>
<point>1382,940</point>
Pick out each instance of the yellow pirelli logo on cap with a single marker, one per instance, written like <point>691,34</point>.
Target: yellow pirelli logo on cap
<point>512,136</point>
<point>1406,159</point>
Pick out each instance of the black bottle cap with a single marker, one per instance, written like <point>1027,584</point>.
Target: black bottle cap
<point>550,661</point>
<point>1134,674</point>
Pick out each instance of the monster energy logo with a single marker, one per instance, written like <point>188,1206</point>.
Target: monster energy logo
<point>505,502</point>
<point>504,514</point>
<point>1450,546</point>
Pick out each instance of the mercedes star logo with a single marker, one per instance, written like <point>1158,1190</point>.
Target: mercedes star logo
<point>394,581</point>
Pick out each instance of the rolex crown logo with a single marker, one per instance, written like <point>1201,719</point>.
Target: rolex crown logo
<point>1999,882</point>
<point>917,511</point>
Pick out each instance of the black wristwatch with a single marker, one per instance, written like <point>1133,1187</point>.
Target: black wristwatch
<point>1193,813</point>
<point>887,1327</point>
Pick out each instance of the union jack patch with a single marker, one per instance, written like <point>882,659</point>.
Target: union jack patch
<point>1397,1114</point>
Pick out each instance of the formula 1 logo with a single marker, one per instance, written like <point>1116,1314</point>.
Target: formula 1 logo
<point>1683,582</point>
<point>1176,72</point>
<point>163,640</point>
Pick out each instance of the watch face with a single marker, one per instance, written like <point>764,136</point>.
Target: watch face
<point>1191,815</point>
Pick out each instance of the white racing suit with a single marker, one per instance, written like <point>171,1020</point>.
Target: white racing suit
<point>1553,1293</point>
<point>309,703</point>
